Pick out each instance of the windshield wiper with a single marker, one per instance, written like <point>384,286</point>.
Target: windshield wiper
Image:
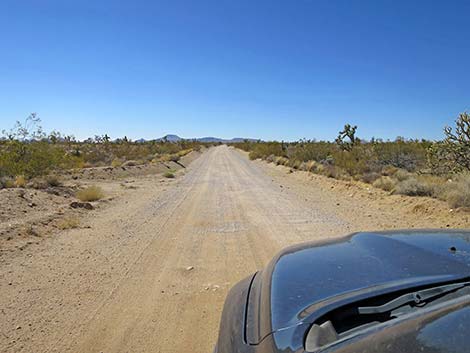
<point>416,298</point>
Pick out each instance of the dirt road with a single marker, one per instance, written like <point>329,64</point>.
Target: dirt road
<point>150,273</point>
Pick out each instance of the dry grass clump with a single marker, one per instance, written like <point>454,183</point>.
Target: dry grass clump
<point>385,183</point>
<point>169,175</point>
<point>309,166</point>
<point>53,180</point>
<point>69,223</point>
<point>20,181</point>
<point>331,171</point>
<point>271,158</point>
<point>130,163</point>
<point>116,162</point>
<point>281,161</point>
<point>91,193</point>
<point>294,164</point>
<point>414,187</point>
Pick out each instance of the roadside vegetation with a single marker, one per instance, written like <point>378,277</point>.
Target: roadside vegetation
<point>30,156</point>
<point>169,175</point>
<point>439,169</point>
<point>91,193</point>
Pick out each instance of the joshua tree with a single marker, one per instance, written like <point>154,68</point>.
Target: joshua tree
<point>350,133</point>
<point>458,143</point>
<point>453,153</point>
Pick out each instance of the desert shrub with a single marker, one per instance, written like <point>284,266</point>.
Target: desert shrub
<point>294,164</point>
<point>402,175</point>
<point>91,193</point>
<point>389,170</point>
<point>130,163</point>
<point>457,192</point>
<point>27,151</point>
<point>20,181</point>
<point>174,158</point>
<point>414,187</point>
<point>408,155</point>
<point>311,166</point>
<point>270,158</point>
<point>6,183</point>
<point>369,178</point>
<point>38,183</point>
<point>53,180</point>
<point>264,149</point>
<point>306,150</point>
<point>331,171</point>
<point>116,162</point>
<point>169,175</point>
<point>385,183</point>
<point>32,158</point>
<point>68,223</point>
<point>281,161</point>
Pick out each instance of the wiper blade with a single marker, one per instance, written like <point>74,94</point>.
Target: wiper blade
<point>416,298</point>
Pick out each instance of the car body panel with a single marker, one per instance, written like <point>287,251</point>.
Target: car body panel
<point>305,281</point>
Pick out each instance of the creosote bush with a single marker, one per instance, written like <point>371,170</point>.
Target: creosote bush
<point>28,151</point>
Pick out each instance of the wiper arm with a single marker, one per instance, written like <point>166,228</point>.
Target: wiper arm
<point>416,297</point>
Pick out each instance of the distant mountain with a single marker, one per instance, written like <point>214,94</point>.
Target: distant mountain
<point>208,139</point>
<point>170,138</point>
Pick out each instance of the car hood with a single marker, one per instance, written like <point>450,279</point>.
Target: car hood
<point>304,281</point>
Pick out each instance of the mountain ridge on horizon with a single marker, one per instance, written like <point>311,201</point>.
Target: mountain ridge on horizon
<point>209,139</point>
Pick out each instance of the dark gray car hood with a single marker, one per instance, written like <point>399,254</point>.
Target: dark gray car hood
<point>303,282</point>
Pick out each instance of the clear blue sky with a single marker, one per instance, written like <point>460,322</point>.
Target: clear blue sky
<point>273,69</point>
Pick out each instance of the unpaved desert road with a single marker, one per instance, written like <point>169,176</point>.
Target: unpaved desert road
<point>150,274</point>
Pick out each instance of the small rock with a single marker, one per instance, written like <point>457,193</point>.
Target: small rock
<point>18,327</point>
<point>189,268</point>
<point>85,205</point>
